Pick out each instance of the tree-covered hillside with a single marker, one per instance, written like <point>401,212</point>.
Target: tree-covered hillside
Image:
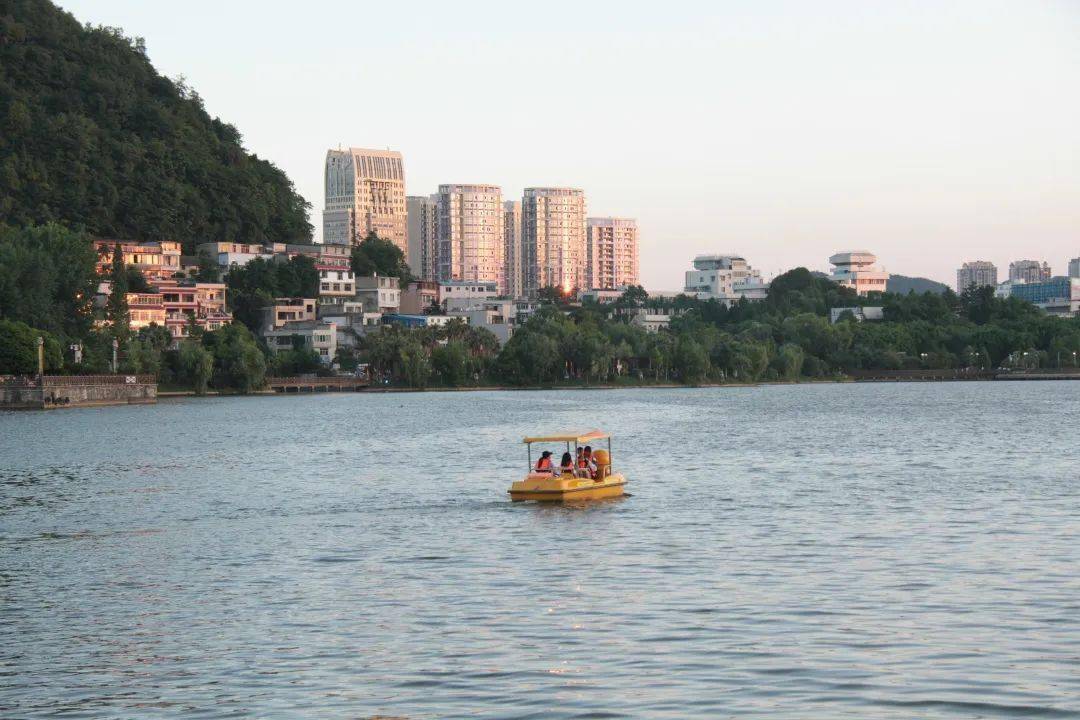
<point>93,137</point>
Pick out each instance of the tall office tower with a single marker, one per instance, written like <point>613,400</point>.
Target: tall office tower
<point>975,274</point>
<point>1029,271</point>
<point>470,234</point>
<point>512,248</point>
<point>423,231</point>
<point>612,253</point>
<point>365,191</point>
<point>1074,268</point>
<point>553,238</point>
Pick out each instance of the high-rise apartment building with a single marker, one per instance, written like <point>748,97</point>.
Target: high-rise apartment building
<point>423,232</point>
<point>975,274</point>
<point>612,253</point>
<point>470,234</point>
<point>1029,271</point>
<point>553,238</point>
<point>365,191</point>
<point>1074,268</point>
<point>512,251</point>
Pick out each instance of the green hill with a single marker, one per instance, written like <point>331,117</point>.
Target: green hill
<point>93,137</point>
<point>902,285</point>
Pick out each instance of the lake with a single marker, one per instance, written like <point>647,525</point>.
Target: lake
<point>833,550</point>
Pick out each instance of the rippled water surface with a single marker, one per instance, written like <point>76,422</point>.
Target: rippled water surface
<point>873,551</point>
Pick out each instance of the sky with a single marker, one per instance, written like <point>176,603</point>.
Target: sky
<point>928,132</point>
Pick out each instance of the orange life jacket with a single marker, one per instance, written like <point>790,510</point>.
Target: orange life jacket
<point>543,463</point>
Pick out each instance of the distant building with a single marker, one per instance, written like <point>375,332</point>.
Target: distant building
<point>1029,271</point>
<point>155,260</point>
<point>1074,268</point>
<point>419,296</point>
<point>464,290</point>
<point>976,273</point>
<point>352,321</point>
<point>317,335</point>
<point>858,270</point>
<point>365,192</point>
<point>417,321</point>
<point>553,238</point>
<point>145,309</point>
<point>861,314</point>
<point>287,310</point>
<point>650,320</point>
<point>187,301</point>
<point>512,249</point>
<point>499,317</point>
<point>423,230</point>
<point>230,254</point>
<point>727,278</point>
<point>601,296</point>
<point>612,259</point>
<point>1057,296</point>
<point>379,293</point>
<point>470,234</point>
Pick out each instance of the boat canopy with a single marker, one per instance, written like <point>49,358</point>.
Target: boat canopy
<point>574,437</point>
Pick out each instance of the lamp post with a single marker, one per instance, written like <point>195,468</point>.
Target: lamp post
<point>115,345</point>
<point>40,356</point>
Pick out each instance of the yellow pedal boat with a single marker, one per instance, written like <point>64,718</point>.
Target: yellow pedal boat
<point>576,486</point>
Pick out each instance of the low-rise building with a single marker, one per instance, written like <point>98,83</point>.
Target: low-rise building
<point>498,316</point>
<point>467,290</point>
<point>650,320</point>
<point>286,310</point>
<point>1057,296</point>
<point>155,260</point>
<point>419,297</point>
<point>418,321</point>
<point>379,293</point>
<point>188,301</point>
<point>858,270</point>
<point>727,278</point>
<point>145,309</point>
<point>601,296</point>
<point>1074,268</point>
<point>861,314</point>
<point>231,254</point>
<point>317,335</point>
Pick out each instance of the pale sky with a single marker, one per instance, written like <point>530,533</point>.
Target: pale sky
<point>929,132</point>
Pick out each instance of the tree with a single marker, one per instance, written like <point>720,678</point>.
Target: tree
<point>376,256</point>
<point>239,364</point>
<point>634,296</point>
<point>209,271</point>
<point>91,135</point>
<point>116,309</point>
<point>19,349</point>
<point>196,365</point>
<point>450,363</point>
<point>691,361</point>
<point>48,278</point>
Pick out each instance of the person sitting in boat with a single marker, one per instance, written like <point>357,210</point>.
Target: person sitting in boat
<point>581,465</point>
<point>543,465</point>
<point>590,463</point>
<point>567,464</point>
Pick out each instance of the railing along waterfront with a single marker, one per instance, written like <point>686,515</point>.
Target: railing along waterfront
<point>316,383</point>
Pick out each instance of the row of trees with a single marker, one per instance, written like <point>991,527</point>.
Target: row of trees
<point>789,336</point>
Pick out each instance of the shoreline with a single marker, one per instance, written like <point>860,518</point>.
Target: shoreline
<point>166,394</point>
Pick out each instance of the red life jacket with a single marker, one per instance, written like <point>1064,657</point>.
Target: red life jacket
<point>543,463</point>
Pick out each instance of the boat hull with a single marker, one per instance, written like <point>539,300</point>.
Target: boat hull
<point>566,489</point>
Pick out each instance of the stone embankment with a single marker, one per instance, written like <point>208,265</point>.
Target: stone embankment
<point>45,392</point>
